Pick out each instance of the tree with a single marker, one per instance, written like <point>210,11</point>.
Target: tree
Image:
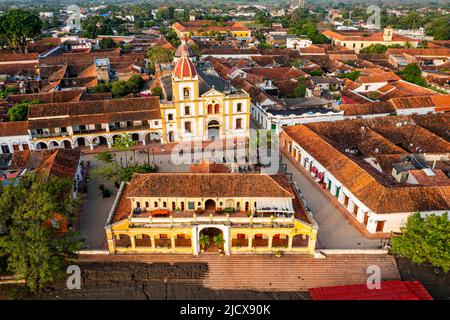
<point>20,111</point>
<point>121,88</point>
<point>425,240</point>
<point>18,27</point>
<point>8,90</point>
<point>439,28</point>
<point>159,54</point>
<point>413,74</point>
<point>135,84</point>
<point>374,49</point>
<point>101,87</point>
<point>96,25</point>
<point>157,91</point>
<point>300,89</point>
<point>35,248</point>
<point>124,143</point>
<point>107,43</point>
<point>352,75</point>
<point>105,157</point>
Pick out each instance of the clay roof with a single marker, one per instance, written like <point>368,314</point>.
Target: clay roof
<point>184,68</point>
<point>208,25</point>
<point>355,177</point>
<point>17,128</point>
<point>206,167</point>
<point>93,111</point>
<point>366,108</point>
<point>48,97</point>
<point>278,73</point>
<point>383,77</point>
<point>363,36</point>
<point>62,163</point>
<point>17,57</point>
<point>440,101</point>
<point>206,185</point>
<point>435,52</point>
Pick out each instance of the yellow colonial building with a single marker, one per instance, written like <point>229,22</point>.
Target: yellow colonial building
<point>357,40</point>
<point>197,105</point>
<point>209,27</point>
<point>209,212</point>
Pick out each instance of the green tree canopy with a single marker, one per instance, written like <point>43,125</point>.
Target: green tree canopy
<point>159,54</point>
<point>35,248</point>
<point>413,74</point>
<point>18,27</point>
<point>8,90</point>
<point>157,91</point>
<point>352,75</point>
<point>425,240</point>
<point>20,111</point>
<point>300,89</point>
<point>107,43</point>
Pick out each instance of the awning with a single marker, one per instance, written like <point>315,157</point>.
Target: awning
<point>314,170</point>
<point>274,205</point>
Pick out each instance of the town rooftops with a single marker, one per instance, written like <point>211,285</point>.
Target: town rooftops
<point>93,112</point>
<point>440,102</point>
<point>344,147</point>
<point>61,163</point>
<point>198,185</point>
<point>17,128</point>
<point>209,25</point>
<point>363,36</point>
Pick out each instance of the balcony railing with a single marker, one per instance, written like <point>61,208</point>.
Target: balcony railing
<point>208,219</point>
<point>49,135</point>
<point>130,128</point>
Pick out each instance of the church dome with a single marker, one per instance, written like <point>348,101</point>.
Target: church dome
<point>184,68</point>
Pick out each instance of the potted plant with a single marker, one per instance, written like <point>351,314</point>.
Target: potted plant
<point>203,240</point>
<point>278,254</point>
<point>219,241</point>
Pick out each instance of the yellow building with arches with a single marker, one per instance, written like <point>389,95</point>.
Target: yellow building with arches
<point>197,212</point>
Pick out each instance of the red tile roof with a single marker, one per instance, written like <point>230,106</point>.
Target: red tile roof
<point>206,185</point>
<point>62,163</point>
<point>17,128</point>
<point>325,142</point>
<point>389,290</point>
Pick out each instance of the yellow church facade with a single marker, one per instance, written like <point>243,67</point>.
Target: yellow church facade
<point>198,108</point>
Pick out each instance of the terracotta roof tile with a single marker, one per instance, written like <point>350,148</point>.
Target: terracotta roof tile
<point>355,177</point>
<point>17,128</point>
<point>206,185</point>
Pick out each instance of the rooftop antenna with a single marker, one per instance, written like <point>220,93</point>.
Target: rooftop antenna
<point>349,18</point>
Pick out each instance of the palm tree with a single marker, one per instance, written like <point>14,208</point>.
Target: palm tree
<point>203,240</point>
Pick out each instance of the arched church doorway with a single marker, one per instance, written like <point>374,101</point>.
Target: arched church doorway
<point>213,130</point>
